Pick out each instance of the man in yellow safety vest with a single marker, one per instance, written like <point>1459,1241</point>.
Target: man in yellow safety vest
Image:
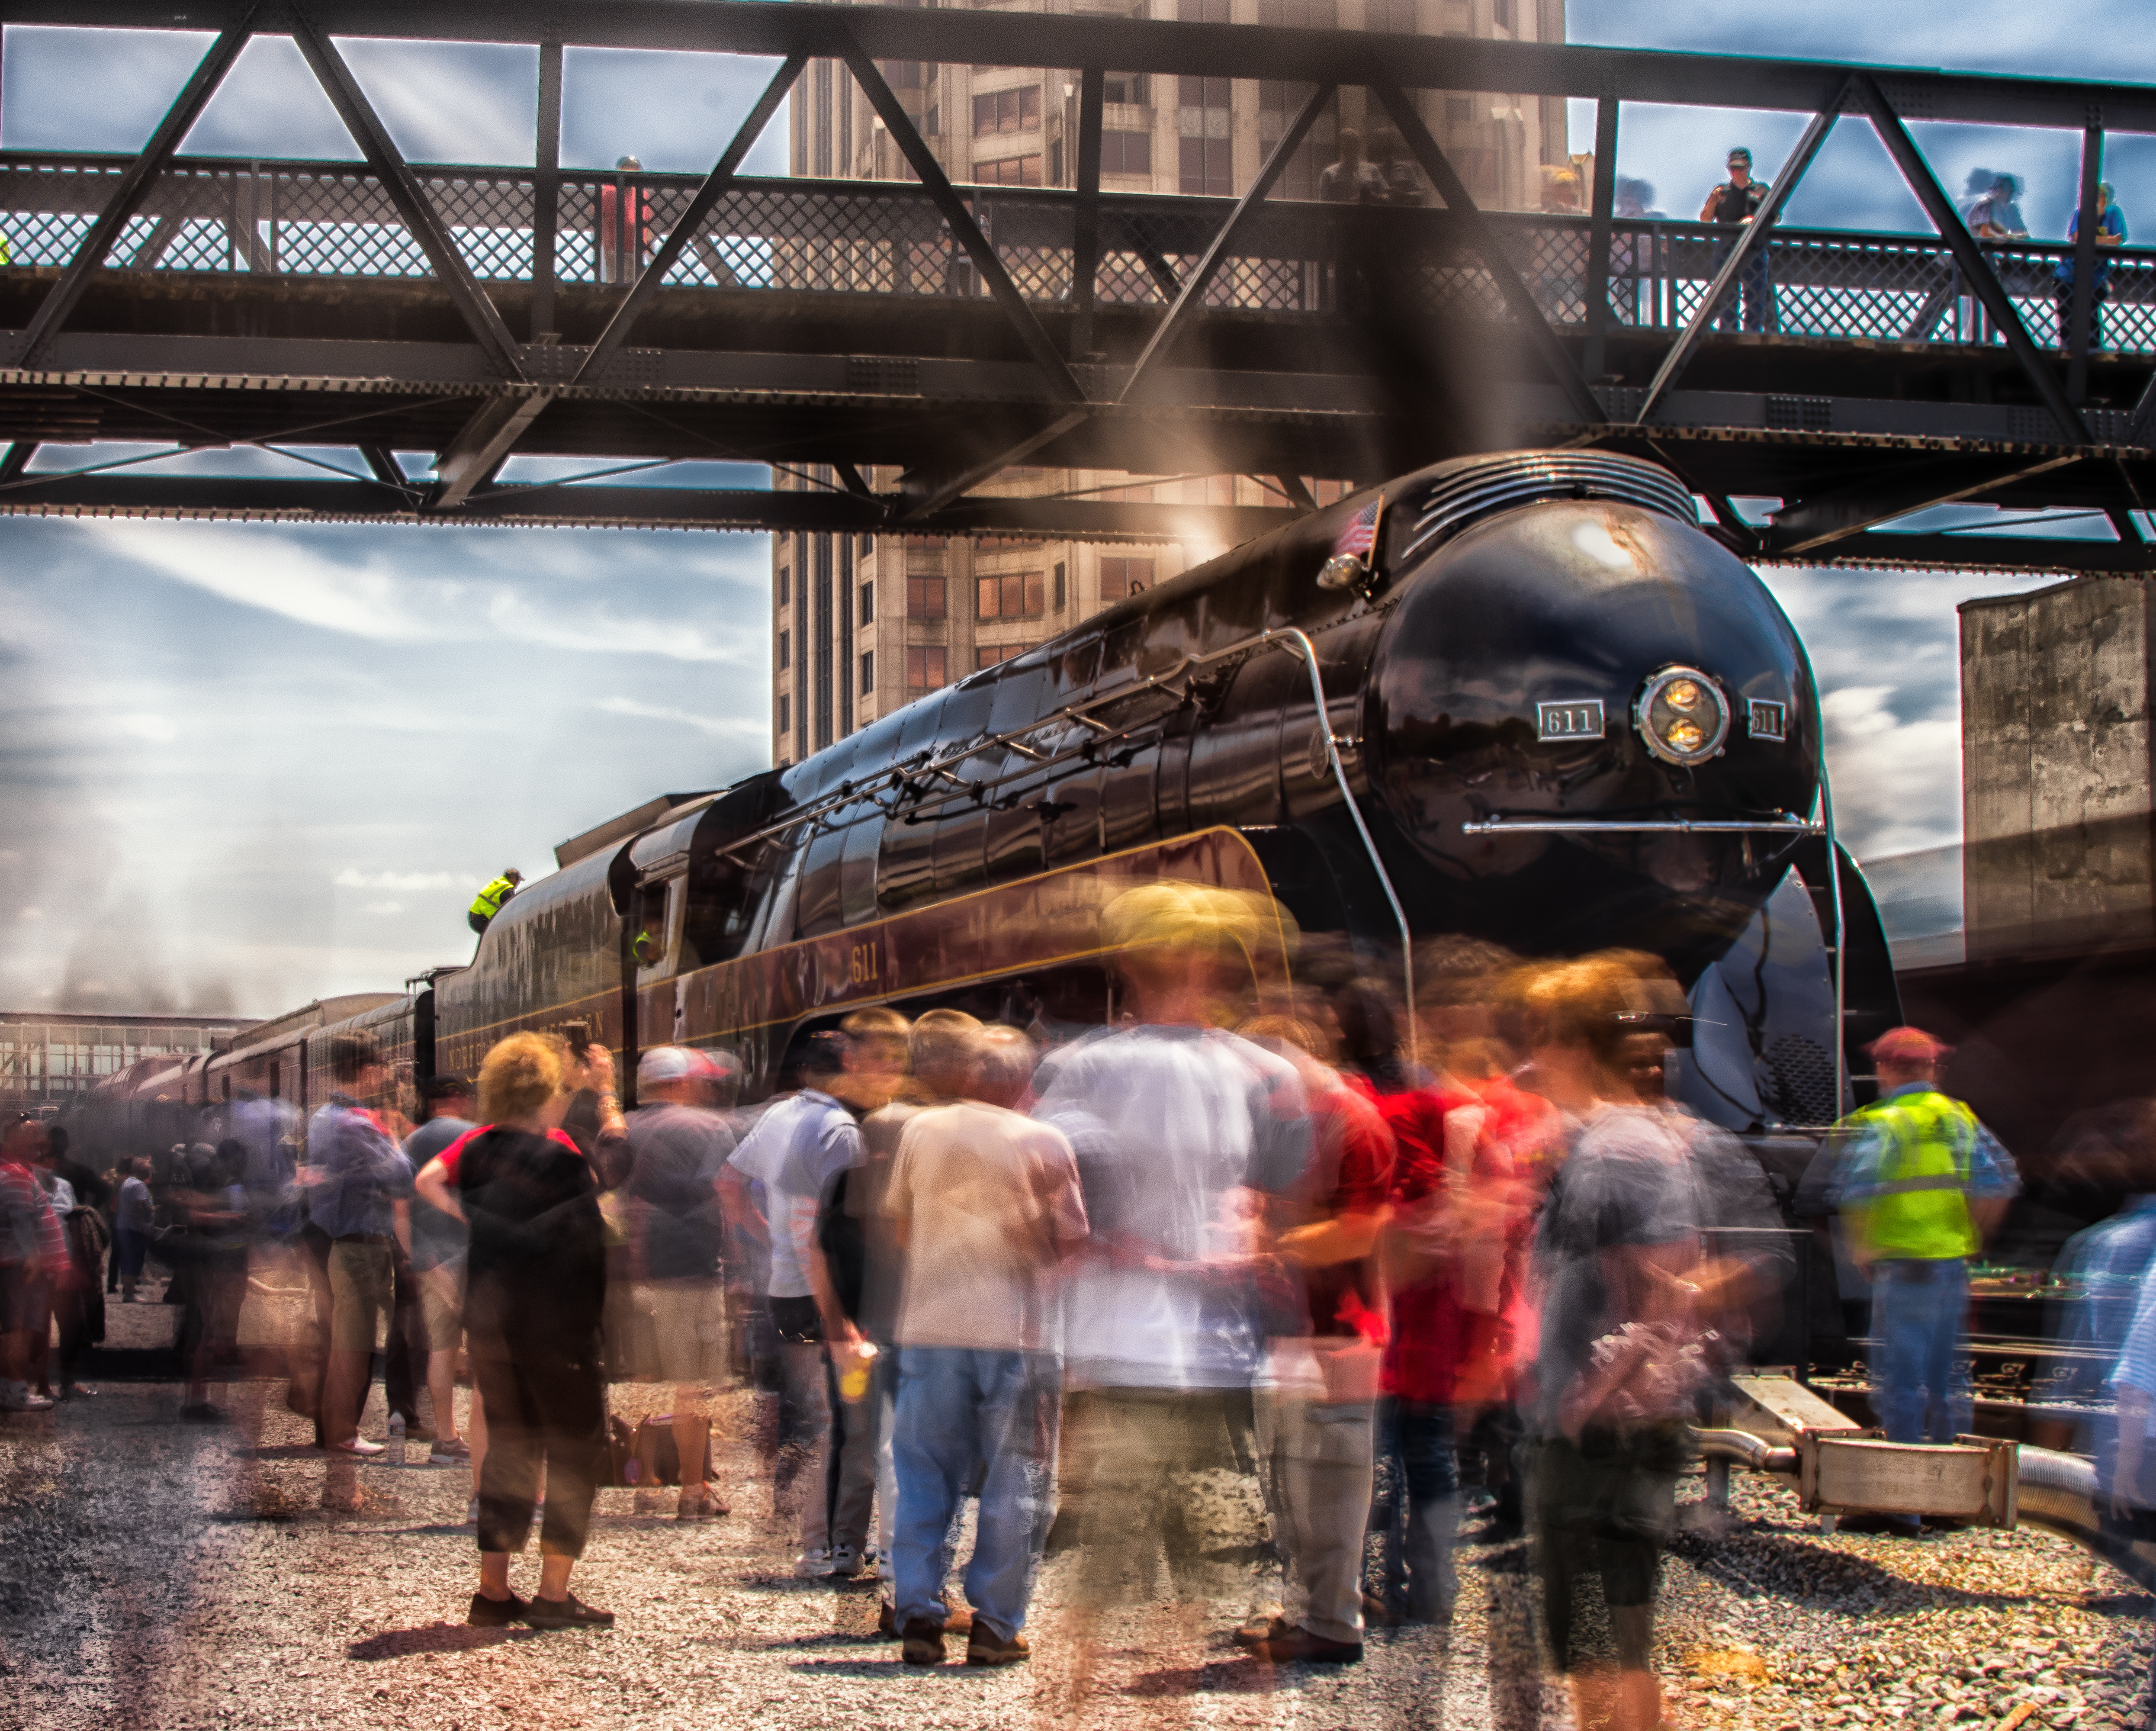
<point>1921,1185</point>
<point>488,901</point>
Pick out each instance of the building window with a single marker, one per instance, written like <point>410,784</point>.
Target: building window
<point>1126,152</point>
<point>868,673</point>
<point>1007,111</point>
<point>1009,171</point>
<point>868,545</point>
<point>988,654</point>
<point>1458,110</point>
<point>901,74</point>
<point>1126,88</point>
<point>785,584</point>
<point>1016,595</point>
<point>785,714</point>
<point>867,602</point>
<point>1202,12</point>
<point>1502,14</point>
<point>1120,578</point>
<point>1059,587</point>
<point>1398,16</point>
<point>924,667</point>
<point>924,598</point>
<point>1205,165</point>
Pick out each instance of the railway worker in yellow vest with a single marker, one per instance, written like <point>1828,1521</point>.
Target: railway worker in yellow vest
<point>488,901</point>
<point>1921,1185</point>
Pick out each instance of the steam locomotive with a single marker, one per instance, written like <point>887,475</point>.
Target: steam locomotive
<point>1520,698</point>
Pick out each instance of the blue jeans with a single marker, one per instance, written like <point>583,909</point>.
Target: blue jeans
<point>1418,1464</point>
<point>1919,1391</point>
<point>1751,291</point>
<point>958,1409</point>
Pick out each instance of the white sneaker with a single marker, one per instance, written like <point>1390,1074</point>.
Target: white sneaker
<point>19,1399</point>
<point>811,1565</point>
<point>845,1562</point>
<point>358,1446</point>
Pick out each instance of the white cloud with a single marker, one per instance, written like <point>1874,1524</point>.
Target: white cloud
<point>352,878</point>
<point>725,727</point>
<point>375,600</point>
<point>154,728</point>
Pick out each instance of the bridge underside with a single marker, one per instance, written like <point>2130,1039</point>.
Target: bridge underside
<point>411,331</point>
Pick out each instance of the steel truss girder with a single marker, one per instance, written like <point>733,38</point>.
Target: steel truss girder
<point>778,28</point>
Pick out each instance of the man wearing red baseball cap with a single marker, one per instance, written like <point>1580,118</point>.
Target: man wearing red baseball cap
<point>1920,1186</point>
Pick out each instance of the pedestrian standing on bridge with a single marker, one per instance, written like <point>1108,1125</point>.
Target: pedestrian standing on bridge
<point>1995,215</point>
<point>1731,205</point>
<point>1921,1184</point>
<point>2110,232</point>
<point>488,901</point>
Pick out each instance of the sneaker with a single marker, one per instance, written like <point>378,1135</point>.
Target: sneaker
<point>567,1612</point>
<point>1299,1645</point>
<point>811,1565</point>
<point>447,1451</point>
<point>985,1646</point>
<point>924,1642</point>
<point>845,1562</point>
<point>358,1446</point>
<point>496,1613</point>
<point>701,1507</point>
<point>18,1398</point>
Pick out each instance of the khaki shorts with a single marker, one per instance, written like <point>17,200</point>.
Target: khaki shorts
<point>361,1291</point>
<point>689,1317</point>
<point>442,1306</point>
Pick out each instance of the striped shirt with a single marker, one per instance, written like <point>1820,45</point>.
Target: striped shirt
<point>28,1225</point>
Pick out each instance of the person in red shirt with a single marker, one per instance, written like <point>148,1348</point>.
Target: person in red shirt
<point>1316,1422</point>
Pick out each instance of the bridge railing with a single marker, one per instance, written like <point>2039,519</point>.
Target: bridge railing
<point>326,219</point>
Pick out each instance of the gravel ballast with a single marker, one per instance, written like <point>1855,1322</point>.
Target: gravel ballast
<point>156,1574</point>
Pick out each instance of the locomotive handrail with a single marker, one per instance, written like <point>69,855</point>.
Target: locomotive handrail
<point>1784,825</point>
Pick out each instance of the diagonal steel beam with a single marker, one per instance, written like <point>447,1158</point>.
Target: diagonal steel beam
<point>408,195</point>
<point>2082,303</point>
<point>381,464</point>
<point>479,448</point>
<point>850,478</point>
<point>1191,293</point>
<point>17,459</point>
<point>714,188</point>
<point>1600,220</point>
<point>1751,241</point>
<point>1293,490</point>
<point>135,183</point>
<point>1829,517</point>
<point>936,495</point>
<point>1484,240</point>
<point>1983,281</point>
<point>953,208</point>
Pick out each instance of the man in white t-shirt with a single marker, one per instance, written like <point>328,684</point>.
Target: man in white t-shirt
<point>1184,1135</point>
<point>988,1204</point>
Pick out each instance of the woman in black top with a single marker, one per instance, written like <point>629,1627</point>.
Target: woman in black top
<point>536,1290</point>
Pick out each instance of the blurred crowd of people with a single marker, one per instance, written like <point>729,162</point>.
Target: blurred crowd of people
<point>1272,1292</point>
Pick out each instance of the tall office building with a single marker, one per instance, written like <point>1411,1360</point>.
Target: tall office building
<point>862,624</point>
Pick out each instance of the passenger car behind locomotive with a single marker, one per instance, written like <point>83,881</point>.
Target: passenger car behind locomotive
<point>1568,718</point>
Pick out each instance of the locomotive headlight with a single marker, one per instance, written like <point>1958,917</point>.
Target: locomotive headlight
<point>1682,716</point>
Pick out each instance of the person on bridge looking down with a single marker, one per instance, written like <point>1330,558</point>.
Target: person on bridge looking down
<point>1731,205</point>
<point>490,901</point>
<point>1921,1184</point>
<point>1351,180</point>
<point>2110,232</point>
<point>1995,215</point>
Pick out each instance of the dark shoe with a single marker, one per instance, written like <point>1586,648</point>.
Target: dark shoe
<point>1299,1645</point>
<point>568,1612</point>
<point>1261,1629</point>
<point>1380,1613</point>
<point>985,1646</point>
<point>496,1613</point>
<point>924,1642</point>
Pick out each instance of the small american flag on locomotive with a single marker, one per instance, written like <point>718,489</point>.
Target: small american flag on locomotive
<point>1360,533</point>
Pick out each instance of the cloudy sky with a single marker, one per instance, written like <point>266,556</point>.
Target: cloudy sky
<point>242,766</point>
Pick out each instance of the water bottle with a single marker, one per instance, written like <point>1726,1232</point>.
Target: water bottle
<point>396,1439</point>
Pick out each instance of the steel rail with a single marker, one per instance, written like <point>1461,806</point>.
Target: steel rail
<point>1682,826</point>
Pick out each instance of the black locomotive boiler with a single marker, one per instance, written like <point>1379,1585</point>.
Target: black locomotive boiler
<point>1521,698</point>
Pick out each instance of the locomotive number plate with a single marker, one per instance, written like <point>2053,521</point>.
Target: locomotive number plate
<point>1569,720</point>
<point>1769,721</point>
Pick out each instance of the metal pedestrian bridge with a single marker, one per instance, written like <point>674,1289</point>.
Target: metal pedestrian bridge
<point>472,313</point>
